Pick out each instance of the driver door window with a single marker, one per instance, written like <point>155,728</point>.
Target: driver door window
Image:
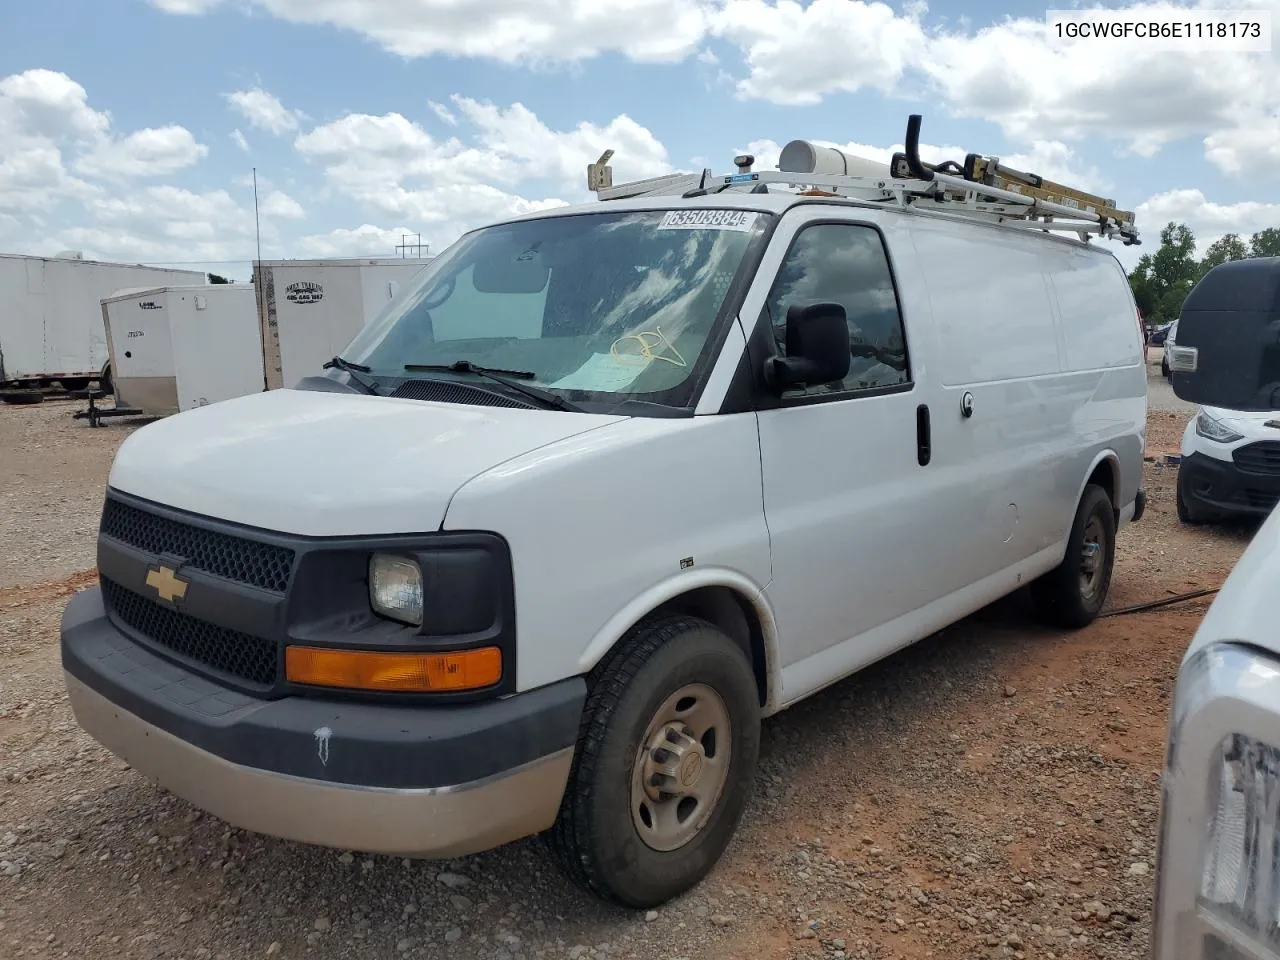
<point>846,263</point>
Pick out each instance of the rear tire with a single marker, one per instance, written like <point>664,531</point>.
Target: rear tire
<point>676,708</point>
<point>1072,595</point>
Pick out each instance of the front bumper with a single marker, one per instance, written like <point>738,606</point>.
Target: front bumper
<point>1219,486</point>
<point>431,782</point>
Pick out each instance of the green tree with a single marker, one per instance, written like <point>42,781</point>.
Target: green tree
<point>1265,243</point>
<point>1230,247</point>
<point>1162,280</point>
<point>215,278</point>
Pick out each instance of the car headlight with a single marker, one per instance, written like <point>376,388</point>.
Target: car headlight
<point>395,588</point>
<point>1213,429</point>
<point>1218,882</point>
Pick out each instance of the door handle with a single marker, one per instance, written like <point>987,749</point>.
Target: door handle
<point>924,436</point>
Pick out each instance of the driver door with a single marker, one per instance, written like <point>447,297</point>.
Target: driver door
<point>857,523</point>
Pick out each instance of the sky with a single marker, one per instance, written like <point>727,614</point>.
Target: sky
<point>131,129</point>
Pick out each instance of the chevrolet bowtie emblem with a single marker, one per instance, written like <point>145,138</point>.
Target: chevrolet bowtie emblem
<point>167,583</point>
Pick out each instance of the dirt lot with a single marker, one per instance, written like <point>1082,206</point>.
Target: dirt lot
<point>991,792</point>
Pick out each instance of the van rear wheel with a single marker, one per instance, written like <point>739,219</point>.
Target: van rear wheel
<point>1072,594</point>
<point>665,764</point>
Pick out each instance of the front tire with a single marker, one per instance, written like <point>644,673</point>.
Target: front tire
<point>1073,593</point>
<point>1186,513</point>
<point>664,766</point>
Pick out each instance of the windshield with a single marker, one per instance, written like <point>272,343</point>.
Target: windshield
<point>600,307</point>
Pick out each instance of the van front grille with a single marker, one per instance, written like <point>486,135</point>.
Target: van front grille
<point>230,652</point>
<point>1260,457</point>
<point>239,559</point>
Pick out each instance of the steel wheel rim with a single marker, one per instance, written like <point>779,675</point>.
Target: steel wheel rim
<point>681,767</point>
<point>1092,558</point>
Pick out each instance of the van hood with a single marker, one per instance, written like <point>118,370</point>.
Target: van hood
<point>329,464</point>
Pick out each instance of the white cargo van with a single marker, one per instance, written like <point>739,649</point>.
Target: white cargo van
<point>606,485</point>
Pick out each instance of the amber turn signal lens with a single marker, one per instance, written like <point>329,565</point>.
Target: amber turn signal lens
<point>395,672</point>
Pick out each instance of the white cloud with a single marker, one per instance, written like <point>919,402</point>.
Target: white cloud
<point>185,6</point>
<point>264,111</point>
<point>279,204</point>
<point>537,31</point>
<point>443,112</point>
<point>1058,162</point>
<point>32,177</point>
<point>516,133</point>
<point>798,55</point>
<point>394,168</point>
<point>1209,221</point>
<point>1008,71</point>
<point>239,140</point>
<point>48,128</point>
<point>364,241</point>
<point>167,224</point>
<point>45,117</point>
<point>1014,74</point>
<point>47,104</point>
<point>1250,149</point>
<point>152,152</point>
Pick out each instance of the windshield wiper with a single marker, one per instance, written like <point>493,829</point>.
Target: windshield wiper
<point>351,371</point>
<point>545,397</point>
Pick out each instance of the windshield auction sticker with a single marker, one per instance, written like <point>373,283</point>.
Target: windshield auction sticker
<point>740,220</point>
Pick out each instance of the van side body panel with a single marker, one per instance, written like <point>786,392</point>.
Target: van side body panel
<point>1042,334</point>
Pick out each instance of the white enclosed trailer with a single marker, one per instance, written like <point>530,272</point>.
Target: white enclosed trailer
<point>175,348</point>
<point>309,310</point>
<point>51,317</point>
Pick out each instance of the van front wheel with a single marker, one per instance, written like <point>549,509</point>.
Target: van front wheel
<point>1072,594</point>
<point>664,767</point>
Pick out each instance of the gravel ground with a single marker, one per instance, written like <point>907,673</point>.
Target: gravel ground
<point>990,792</point>
<point>52,471</point>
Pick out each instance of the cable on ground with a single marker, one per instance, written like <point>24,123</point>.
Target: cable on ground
<point>1164,602</point>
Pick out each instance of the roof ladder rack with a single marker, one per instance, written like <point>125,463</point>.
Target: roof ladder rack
<point>980,187</point>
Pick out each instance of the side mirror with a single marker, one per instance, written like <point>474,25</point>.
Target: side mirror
<point>1227,352</point>
<point>817,347</point>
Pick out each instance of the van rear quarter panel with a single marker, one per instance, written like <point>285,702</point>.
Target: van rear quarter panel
<point>1043,333</point>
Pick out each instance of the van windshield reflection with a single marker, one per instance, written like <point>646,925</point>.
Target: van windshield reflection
<point>601,307</point>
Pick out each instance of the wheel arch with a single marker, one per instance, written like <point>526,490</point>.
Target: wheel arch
<point>1105,472</point>
<point>724,598</point>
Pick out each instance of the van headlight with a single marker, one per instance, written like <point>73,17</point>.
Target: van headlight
<point>395,588</point>
<point>1218,882</point>
<point>1214,429</point>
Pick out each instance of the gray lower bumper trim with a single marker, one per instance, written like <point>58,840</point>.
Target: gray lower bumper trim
<point>437,823</point>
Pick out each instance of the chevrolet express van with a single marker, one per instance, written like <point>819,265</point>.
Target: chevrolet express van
<point>600,489</point>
